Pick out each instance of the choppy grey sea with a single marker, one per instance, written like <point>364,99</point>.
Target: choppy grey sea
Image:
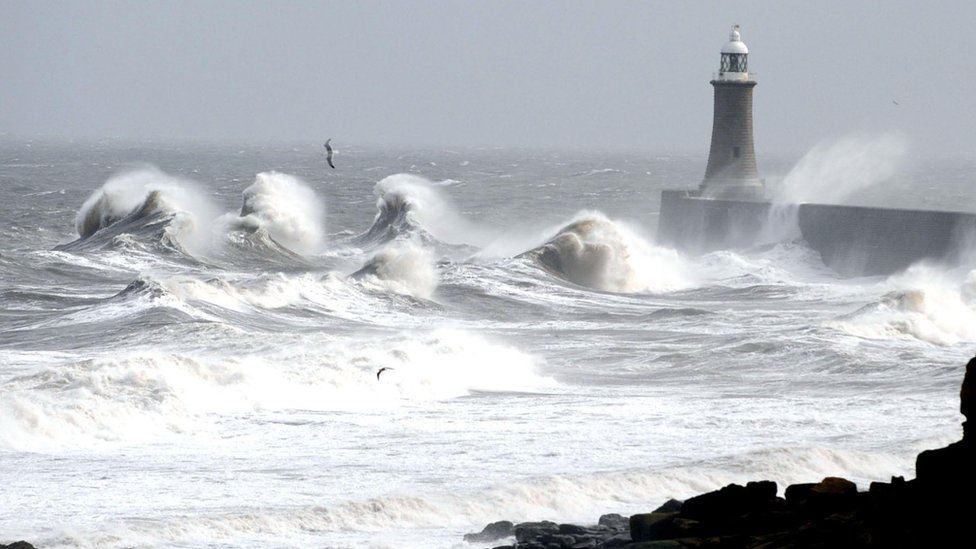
<point>190,338</point>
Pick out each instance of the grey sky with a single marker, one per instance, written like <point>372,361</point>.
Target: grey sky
<point>629,75</point>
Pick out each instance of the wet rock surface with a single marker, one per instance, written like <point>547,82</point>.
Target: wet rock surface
<point>493,532</point>
<point>932,510</point>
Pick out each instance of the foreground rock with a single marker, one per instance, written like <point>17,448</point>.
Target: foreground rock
<point>17,545</point>
<point>493,532</point>
<point>932,510</point>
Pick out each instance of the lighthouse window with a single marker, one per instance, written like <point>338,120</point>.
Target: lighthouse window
<point>734,62</point>
<point>735,152</point>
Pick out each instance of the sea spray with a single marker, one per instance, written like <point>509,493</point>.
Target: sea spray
<point>147,191</point>
<point>407,204</point>
<point>782,224</point>
<point>147,395</point>
<point>285,207</point>
<point>832,172</point>
<point>598,253</point>
<point>403,267</point>
<point>926,302</point>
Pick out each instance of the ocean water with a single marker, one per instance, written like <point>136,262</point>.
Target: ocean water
<point>199,369</point>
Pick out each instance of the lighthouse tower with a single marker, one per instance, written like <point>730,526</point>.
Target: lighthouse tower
<point>731,171</point>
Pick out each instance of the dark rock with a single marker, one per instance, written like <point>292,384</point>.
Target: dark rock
<point>885,489</point>
<point>572,529</point>
<point>830,493</point>
<point>642,526</point>
<point>561,540</point>
<point>528,531</point>
<point>670,506</point>
<point>731,501</point>
<point>614,521</point>
<point>659,544</point>
<point>616,540</point>
<point>797,494</point>
<point>967,393</point>
<point>492,532</point>
<point>944,469</point>
<point>762,490</point>
<point>835,486</point>
<point>657,526</point>
<point>17,545</point>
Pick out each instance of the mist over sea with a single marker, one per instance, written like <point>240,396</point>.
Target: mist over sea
<point>200,368</point>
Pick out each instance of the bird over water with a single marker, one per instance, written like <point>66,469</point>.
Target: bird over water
<point>329,153</point>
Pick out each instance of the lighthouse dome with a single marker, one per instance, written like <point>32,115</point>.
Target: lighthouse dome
<point>735,43</point>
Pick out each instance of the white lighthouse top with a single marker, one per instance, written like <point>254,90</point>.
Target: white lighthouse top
<point>735,59</point>
<point>735,43</point>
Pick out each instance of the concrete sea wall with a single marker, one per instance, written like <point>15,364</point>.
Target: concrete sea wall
<point>852,240</point>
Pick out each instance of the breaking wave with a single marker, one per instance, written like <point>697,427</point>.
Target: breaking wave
<point>402,267</point>
<point>924,303</point>
<point>280,215</point>
<point>574,498</point>
<point>285,209</point>
<point>598,253</point>
<point>409,205</point>
<point>148,202</point>
<point>143,396</point>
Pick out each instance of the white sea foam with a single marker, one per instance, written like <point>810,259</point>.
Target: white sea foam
<point>287,209</point>
<point>403,267</point>
<point>787,262</point>
<point>388,520</point>
<point>148,395</point>
<point>425,205</point>
<point>607,255</point>
<point>126,192</point>
<point>926,302</point>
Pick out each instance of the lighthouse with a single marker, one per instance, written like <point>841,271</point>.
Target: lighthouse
<point>731,171</point>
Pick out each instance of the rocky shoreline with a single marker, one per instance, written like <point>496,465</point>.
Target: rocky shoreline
<point>928,511</point>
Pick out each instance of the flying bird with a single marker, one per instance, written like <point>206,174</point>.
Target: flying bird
<point>895,102</point>
<point>380,371</point>
<point>328,152</point>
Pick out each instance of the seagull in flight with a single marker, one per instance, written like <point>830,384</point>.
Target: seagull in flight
<point>328,157</point>
<point>895,102</point>
<point>380,371</point>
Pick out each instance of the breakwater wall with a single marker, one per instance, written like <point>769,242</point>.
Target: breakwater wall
<point>852,240</point>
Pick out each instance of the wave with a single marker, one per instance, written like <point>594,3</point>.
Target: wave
<point>394,520</point>
<point>786,263</point>
<point>305,293</point>
<point>280,219</point>
<point>598,253</point>
<point>410,206</point>
<point>926,303</point>
<point>285,210</point>
<point>145,202</point>
<point>401,267</point>
<point>148,395</point>
<point>603,171</point>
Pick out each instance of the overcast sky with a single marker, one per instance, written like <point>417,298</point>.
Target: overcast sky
<point>621,75</point>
